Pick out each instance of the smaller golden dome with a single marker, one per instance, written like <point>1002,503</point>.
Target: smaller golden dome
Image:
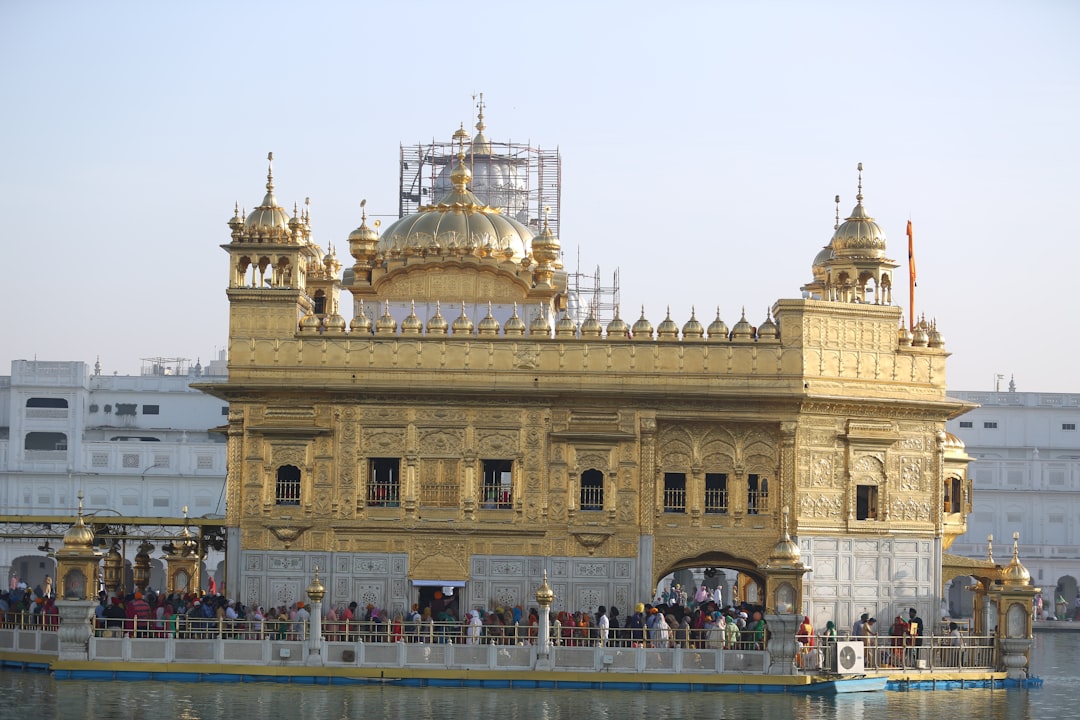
<point>515,326</point>
<point>693,330</point>
<point>335,323</point>
<point>592,328</point>
<point>489,326</point>
<point>540,324</point>
<point>785,552</point>
<point>437,324</point>
<point>268,220</point>
<point>742,329</point>
<point>718,329</point>
<point>566,327</point>
<point>386,324</point>
<point>617,329</point>
<point>463,325</point>
<point>919,338</point>
<point>316,591</point>
<point>934,338</point>
<point>1015,574</point>
<point>952,442</point>
<point>667,329</point>
<point>768,329</point>
<point>412,325</point>
<point>361,323</point>
<point>79,536</point>
<point>544,594</point>
<point>310,323</point>
<point>904,336</point>
<point>642,329</point>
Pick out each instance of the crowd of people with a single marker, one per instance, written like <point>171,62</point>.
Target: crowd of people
<point>30,607</point>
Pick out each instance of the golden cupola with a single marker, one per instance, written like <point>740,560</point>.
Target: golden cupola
<point>859,235</point>
<point>458,224</point>
<point>268,221</point>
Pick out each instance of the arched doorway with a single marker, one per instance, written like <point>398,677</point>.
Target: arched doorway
<point>740,580</point>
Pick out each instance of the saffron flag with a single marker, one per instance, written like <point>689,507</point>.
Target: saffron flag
<point>911,253</point>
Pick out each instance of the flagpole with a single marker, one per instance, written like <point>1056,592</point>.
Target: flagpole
<point>911,274</point>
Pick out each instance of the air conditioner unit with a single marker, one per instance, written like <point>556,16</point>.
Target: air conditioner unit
<point>850,659</point>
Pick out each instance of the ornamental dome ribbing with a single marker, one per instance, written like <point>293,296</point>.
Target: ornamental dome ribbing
<point>463,325</point>
<point>859,235</point>
<point>269,220</point>
<point>361,323</point>
<point>591,327</point>
<point>718,329</point>
<point>566,327</point>
<point>514,326</point>
<point>642,329</point>
<point>437,324</point>
<point>617,328</point>
<point>667,329</point>
<point>412,325</point>
<point>458,223</point>
<point>693,330</point>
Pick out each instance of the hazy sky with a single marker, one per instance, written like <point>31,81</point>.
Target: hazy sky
<point>702,145</point>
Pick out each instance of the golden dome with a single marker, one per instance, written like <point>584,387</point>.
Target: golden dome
<point>617,328</point>
<point>540,324</point>
<point>268,220</point>
<point>489,326</point>
<point>544,594</point>
<point>767,330</point>
<point>818,267</point>
<point>935,339</point>
<point>693,330</point>
<point>79,536</point>
<point>458,223</point>
<point>592,328</point>
<point>667,329</point>
<point>785,552</point>
<point>953,443</point>
<point>642,329</point>
<point>363,241</point>
<point>514,326</point>
<point>742,329</point>
<point>718,329</point>
<point>316,591</point>
<point>566,327</point>
<point>310,323</point>
<point>412,325</point>
<point>904,336</point>
<point>386,324</point>
<point>437,324</point>
<point>361,323</point>
<point>919,338</point>
<point>335,323</point>
<point>1015,574</point>
<point>859,235</point>
<point>463,325</point>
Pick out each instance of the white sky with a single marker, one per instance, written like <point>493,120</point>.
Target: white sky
<point>702,145</point>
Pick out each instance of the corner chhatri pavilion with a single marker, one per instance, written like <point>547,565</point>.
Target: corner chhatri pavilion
<point>475,424</point>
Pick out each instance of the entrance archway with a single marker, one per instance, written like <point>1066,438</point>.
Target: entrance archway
<point>743,580</point>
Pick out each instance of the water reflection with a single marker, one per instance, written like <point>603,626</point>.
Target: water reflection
<point>37,694</point>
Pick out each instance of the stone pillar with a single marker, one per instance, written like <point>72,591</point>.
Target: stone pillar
<point>316,592</point>
<point>781,644</point>
<point>544,597</point>
<point>76,627</point>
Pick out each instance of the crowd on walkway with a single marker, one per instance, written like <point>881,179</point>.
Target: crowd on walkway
<point>24,606</point>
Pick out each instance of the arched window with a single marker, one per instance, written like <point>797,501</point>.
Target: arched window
<point>757,494</point>
<point>592,490</point>
<point>287,491</point>
<point>951,496</point>
<point>320,303</point>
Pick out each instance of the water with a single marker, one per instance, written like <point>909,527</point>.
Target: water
<point>28,694</point>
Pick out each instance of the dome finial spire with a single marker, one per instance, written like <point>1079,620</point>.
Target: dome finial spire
<point>480,113</point>
<point>837,223</point>
<point>270,172</point>
<point>858,197</point>
<point>363,211</point>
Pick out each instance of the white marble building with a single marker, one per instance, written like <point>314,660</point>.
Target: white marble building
<point>135,446</point>
<point>1026,479</point>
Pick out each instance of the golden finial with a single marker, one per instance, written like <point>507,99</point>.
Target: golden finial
<point>990,548</point>
<point>270,172</point>
<point>858,197</point>
<point>480,113</point>
<point>307,210</point>
<point>363,211</point>
<point>836,225</point>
